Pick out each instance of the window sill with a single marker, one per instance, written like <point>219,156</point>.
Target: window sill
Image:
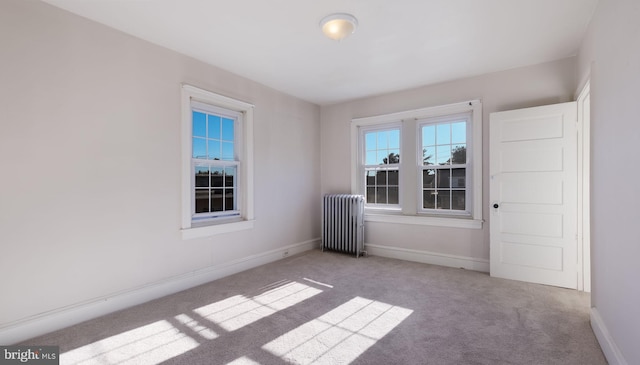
<point>215,229</point>
<point>425,221</point>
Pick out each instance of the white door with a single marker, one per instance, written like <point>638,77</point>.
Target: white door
<point>533,195</point>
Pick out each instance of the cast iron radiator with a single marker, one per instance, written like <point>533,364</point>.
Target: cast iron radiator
<point>343,223</point>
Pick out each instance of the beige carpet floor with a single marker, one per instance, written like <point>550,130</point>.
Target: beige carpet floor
<point>329,308</point>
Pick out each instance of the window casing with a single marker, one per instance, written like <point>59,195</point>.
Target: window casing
<point>217,163</point>
<point>449,166</point>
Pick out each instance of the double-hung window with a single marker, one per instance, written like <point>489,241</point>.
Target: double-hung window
<point>421,166</point>
<point>381,154</point>
<point>217,163</point>
<point>442,164</point>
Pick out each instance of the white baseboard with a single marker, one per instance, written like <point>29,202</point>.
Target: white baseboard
<point>609,347</point>
<point>26,328</point>
<point>427,257</point>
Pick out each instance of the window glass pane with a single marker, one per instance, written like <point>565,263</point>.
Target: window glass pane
<point>443,133</point>
<point>202,200</point>
<point>216,177</point>
<point>429,178</point>
<point>229,176</point>
<point>381,195</point>
<point>383,140</point>
<point>458,200</point>
<point>428,155</point>
<point>392,177</point>
<point>217,200</point>
<point>381,177</point>
<point>214,149</point>
<point>227,151</point>
<point>227,129</point>
<point>199,148</point>
<point>228,199</point>
<point>214,126</point>
<point>371,177</point>
<point>443,155</point>
<point>459,132</point>
<point>443,199</point>
<point>459,154</point>
<point>202,176</point>
<point>199,124</point>
<point>428,199</point>
<point>370,141</point>
<point>458,178</point>
<point>394,139</point>
<point>371,158</point>
<point>444,177</point>
<point>393,195</point>
<point>371,195</point>
<point>382,157</point>
<point>428,135</point>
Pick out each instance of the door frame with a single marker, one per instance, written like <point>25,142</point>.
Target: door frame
<point>584,178</point>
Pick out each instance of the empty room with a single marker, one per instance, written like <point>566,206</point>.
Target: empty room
<point>319,182</point>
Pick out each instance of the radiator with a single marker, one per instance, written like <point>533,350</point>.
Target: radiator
<point>343,223</point>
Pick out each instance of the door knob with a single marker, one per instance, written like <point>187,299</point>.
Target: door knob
<point>496,205</point>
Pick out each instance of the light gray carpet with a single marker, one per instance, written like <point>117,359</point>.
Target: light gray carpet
<point>334,309</point>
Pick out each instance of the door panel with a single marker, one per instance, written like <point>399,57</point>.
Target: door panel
<point>531,156</point>
<point>533,193</point>
<point>535,256</point>
<point>531,188</point>
<point>532,128</point>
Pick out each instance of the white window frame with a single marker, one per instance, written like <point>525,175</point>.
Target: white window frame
<point>363,167</point>
<point>410,213</point>
<point>468,166</point>
<point>208,218</point>
<point>242,218</point>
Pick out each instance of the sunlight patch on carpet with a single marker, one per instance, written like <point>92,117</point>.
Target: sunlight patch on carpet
<point>150,344</point>
<point>238,311</point>
<point>340,335</point>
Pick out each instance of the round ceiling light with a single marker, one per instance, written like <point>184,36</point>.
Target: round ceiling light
<point>338,26</point>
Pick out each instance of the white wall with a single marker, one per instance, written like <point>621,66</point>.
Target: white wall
<point>90,163</point>
<point>519,88</point>
<point>611,54</point>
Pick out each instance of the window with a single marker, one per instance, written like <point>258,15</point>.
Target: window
<point>445,186</point>
<point>215,160</point>
<point>381,152</point>
<point>217,163</point>
<point>443,164</point>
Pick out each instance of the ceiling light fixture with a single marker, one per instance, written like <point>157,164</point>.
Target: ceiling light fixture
<point>339,25</point>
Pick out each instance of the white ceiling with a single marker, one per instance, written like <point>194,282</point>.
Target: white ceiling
<point>399,44</point>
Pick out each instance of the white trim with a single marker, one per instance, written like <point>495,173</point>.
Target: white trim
<point>245,185</point>
<point>584,175</point>
<point>609,347</point>
<point>428,112</point>
<point>215,229</point>
<point>425,221</point>
<point>426,257</point>
<point>26,328</point>
<point>220,100</point>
